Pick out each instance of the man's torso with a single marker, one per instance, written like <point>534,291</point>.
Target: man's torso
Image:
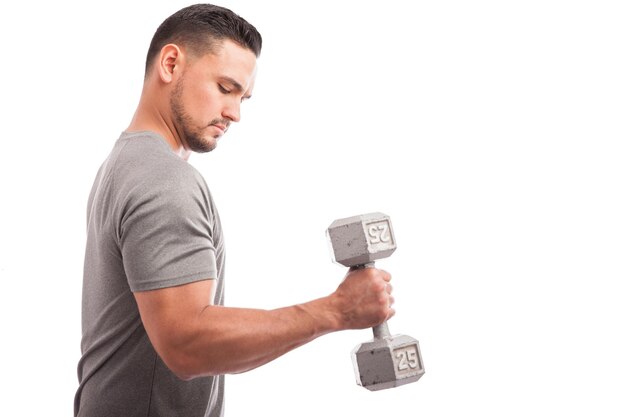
<point>151,224</point>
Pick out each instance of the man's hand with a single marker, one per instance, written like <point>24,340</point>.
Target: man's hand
<point>364,298</point>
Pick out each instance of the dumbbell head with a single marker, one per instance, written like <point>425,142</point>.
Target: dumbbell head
<point>359,240</point>
<point>387,363</point>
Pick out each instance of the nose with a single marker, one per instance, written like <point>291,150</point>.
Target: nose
<point>232,111</point>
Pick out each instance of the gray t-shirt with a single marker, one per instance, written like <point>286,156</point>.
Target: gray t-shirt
<point>151,223</point>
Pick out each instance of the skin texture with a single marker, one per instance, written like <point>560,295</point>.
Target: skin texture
<point>191,101</point>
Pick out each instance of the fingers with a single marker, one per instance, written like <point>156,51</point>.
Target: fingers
<point>389,301</point>
<point>385,275</point>
<point>390,311</point>
<point>366,298</point>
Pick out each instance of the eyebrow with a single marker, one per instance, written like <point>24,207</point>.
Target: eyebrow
<point>236,86</point>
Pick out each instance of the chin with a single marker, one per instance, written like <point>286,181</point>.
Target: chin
<point>201,144</point>
<point>208,147</point>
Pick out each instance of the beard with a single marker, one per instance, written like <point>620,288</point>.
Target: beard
<point>190,134</point>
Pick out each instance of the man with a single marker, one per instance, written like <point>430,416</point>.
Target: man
<point>157,340</point>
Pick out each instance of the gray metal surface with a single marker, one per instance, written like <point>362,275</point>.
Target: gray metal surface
<point>388,362</point>
<point>361,239</point>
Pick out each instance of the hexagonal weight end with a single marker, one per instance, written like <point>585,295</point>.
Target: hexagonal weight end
<point>387,363</point>
<point>359,240</point>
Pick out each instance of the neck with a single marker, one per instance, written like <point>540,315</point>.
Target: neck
<point>149,116</point>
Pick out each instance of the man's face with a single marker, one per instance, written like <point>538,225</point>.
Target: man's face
<point>207,97</point>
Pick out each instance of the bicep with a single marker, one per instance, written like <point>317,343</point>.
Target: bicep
<point>170,315</point>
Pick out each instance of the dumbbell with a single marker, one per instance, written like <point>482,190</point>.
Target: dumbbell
<point>386,361</point>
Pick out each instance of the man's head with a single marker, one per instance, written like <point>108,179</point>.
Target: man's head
<point>202,64</point>
<point>199,28</point>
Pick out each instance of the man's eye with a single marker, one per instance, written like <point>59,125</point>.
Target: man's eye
<point>222,89</point>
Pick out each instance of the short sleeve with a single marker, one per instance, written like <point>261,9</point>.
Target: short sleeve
<point>165,233</point>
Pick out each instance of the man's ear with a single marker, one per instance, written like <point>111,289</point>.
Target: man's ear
<point>171,60</point>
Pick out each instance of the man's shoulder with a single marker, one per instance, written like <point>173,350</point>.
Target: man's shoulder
<point>147,150</point>
<point>146,158</point>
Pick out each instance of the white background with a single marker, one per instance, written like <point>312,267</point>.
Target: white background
<point>492,133</point>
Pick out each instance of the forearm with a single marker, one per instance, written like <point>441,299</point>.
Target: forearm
<point>232,340</point>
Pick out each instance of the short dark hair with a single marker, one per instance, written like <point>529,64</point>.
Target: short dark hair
<point>199,27</point>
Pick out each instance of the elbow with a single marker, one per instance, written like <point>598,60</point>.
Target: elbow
<point>181,370</point>
<point>186,367</point>
<point>177,353</point>
<point>187,357</point>
<point>184,376</point>
<point>180,367</point>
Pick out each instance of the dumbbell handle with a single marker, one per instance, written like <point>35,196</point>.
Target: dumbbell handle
<point>382,330</point>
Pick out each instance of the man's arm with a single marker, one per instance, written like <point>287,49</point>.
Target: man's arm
<point>195,338</point>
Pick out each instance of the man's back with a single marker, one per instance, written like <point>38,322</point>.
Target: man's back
<point>151,224</point>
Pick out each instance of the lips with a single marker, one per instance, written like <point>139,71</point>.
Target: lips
<point>221,127</point>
